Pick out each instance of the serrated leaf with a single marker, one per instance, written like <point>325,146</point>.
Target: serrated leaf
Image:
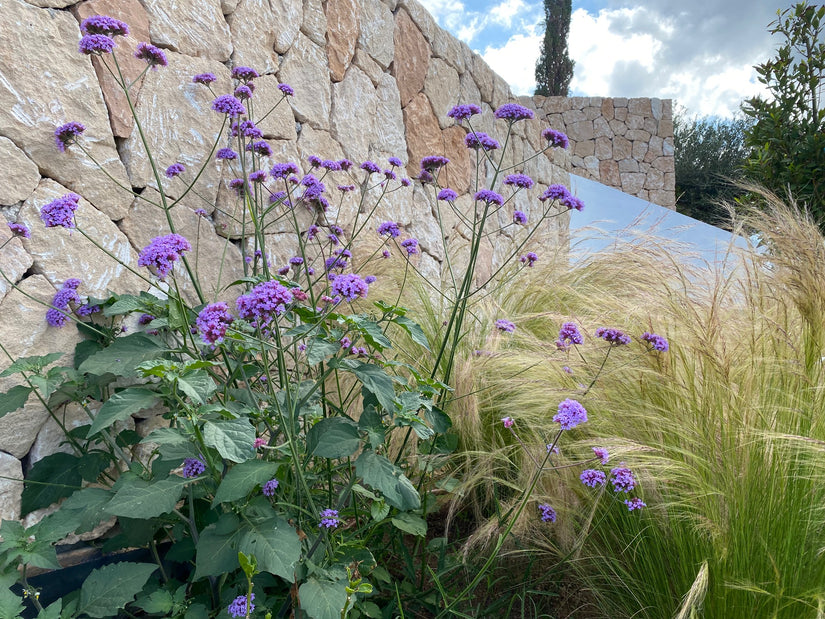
<point>159,601</point>
<point>125,304</point>
<point>322,599</point>
<point>233,438</point>
<point>123,356</point>
<point>370,331</point>
<point>10,604</point>
<point>413,329</point>
<point>319,349</point>
<point>274,543</point>
<point>165,436</point>
<point>50,479</point>
<point>14,398</point>
<point>333,437</point>
<point>79,513</point>
<point>242,478</point>
<point>410,523</point>
<point>31,364</point>
<point>376,380</point>
<point>440,421</point>
<point>198,385</point>
<point>388,479</point>
<point>121,406</point>
<point>370,422</point>
<point>110,588</point>
<point>52,611</point>
<point>217,551</point>
<point>50,383</point>
<point>137,498</point>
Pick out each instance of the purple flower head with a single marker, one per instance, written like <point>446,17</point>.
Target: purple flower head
<point>312,232</point>
<point>350,286</point>
<point>258,176</point>
<point>284,270</point>
<point>204,78</point>
<point>508,422</point>
<point>73,283</point>
<point>161,254</point>
<point>245,74</point>
<point>345,342</point>
<point>425,177</point>
<point>346,188</point>
<point>389,228</point>
<point>270,487</point>
<point>505,325</point>
<point>20,230</point>
<point>60,212</point>
<point>260,441</point>
<point>96,44</point>
<point>56,318</point>
<point>67,134</point>
<point>213,321</point>
<point>264,302</point>
<point>333,238</point>
<point>488,196</point>
<point>103,24</point>
<point>411,245</point>
<point>329,519</point>
<point>238,606</point>
<point>201,213</point>
<point>464,111</point>
<point>593,478</point>
<point>569,334</point>
<point>153,56</point>
<point>227,104</point>
<point>337,230</point>
<point>529,258</point>
<point>570,414</point>
<point>518,180</point>
<point>329,164</point>
<point>614,336</point>
<point>601,454</point>
<point>370,167</point>
<point>513,112</point>
<point>369,279</point>
<point>572,203</point>
<point>314,161</point>
<point>243,93</point>
<point>555,192</point>
<point>548,514</point>
<point>622,479</point>
<point>634,503</point>
<point>566,369</point>
<point>296,261</point>
<point>433,163</point>
<point>481,140</point>
<point>657,342</point>
<point>226,153</point>
<point>385,253</point>
<point>395,161</point>
<point>286,89</point>
<point>556,138</point>
<point>87,309</point>
<point>192,467</point>
<point>249,130</point>
<point>447,194</point>
<point>145,319</point>
<point>283,170</point>
<point>390,175</point>
<point>175,170</point>
<point>519,218</point>
<point>553,449</point>
<point>345,164</point>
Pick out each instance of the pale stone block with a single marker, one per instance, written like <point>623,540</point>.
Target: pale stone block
<point>632,182</point>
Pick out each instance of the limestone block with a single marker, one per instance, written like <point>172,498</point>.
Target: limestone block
<point>639,150</point>
<point>619,102</point>
<point>11,490</point>
<point>279,248</point>
<point>178,124</point>
<point>468,90</point>
<point>669,182</point>
<point>655,145</point>
<point>618,127</point>
<point>620,113</point>
<point>25,332</point>
<point>651,125</point>
<point>65,89</point>
<point>609,173</point>
<point>389,120</point>
<point>502,95</point>
<point>61,253</point>
<point>442,87</point>
<point>422,131</point>
<point>655,179</point>
<point>305,68</point>
<point>556,105</point>
<point>484,77</point>
<point>556,121</point>
<point>607,109</point>
<point>601,128</point>
<point>579,131</point>
<point>318,142</point>
<point>667,108</point>
<point>578,103</point>
<point>363,61</point>
<point>50,4</point>
<point>279,122</point>
<point>665,164</point>
<point>635,121</point>
<point>260,26</point>
<point>412,60</point>
<point>315,22</point>
<point>191,27</point>
<point>585,148</point>
<point>644,167</point>
<point>604,148</point>
<point>377,27</point>
<point>628,165</point>
<point>638,134</point>
<point>591,163</point>
<point>667,147</point>
<point>632,182</point>
<point>14,259</point>
<point>458,172</point>
<point>422,18</point>
<point>342,22</point>
<point>663,198</point>
<point>649,156</point>
<point>133,13</point>
<point>656,108</point>
<point>20,176</point>
<point>639,106</point>
<point>424,226</point>
<point>446,46</point>
<point>229,6</point>
<point>665,129</point>
<point>354,105</point>
<point>592,113</point>
<point>573,116</point>
<point>643,194</point>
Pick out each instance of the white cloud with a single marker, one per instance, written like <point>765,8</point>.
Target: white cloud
<point>504,12</point>
<point>516,60</point>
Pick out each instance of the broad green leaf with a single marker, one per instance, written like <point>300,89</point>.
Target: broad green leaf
<point>121,406</point>
<point>370,422</point>
<point>51,479</point>
<point>79,513</point>
<point>198,385</point>
<point>242,478</point>
<point>217,551</point>
<point>387,478</point>
<point>196,611</point>
<point>11,606</point>
<point>137,498</point>
<point>322,599</point>
<point>39,553</point>
<point>110,588</point>
<point>413,329</point>
<point>49,383</point>
<point>371,331</point>
<point>319,349</point>
<point>52,611</point>
<point>376,380</point>
<point>233,438</point>
<point>274,543</point>
<point>31,364</point>
<point>379,510</point>
<point>14,398</point>
<point>165,436</point>
<point>440,421</point>
<point>123,356</point>
<point>128,303</point>
<point>159,601</point>
<point>410,523</point>
<point>333,437</point>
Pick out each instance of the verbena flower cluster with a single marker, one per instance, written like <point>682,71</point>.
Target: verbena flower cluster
<point>569,334</point>
<point>329,519</point>
<point>162,252</point>
<point>213,321</point>
<point>238,606</point>
<point>64,302</point>
<point>60,212</point>
<point>657,342</point>
<point>192,467</point>
<point>614,336</point>
<point>570,414</point>
<point>505,325</point>
<point>264,303</point>
<point>547,513</point>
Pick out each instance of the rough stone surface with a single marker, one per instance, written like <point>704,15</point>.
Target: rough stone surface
<point>457,174</point>
<point>191,27</point>
<point>423,132</point>
<point>413,57</point>
<point>342,18</point>
<point>20,175</point>
<point>66,89</point>
<point>389,120</point>
<point>315,22</point>
<point>14,259</point>
<point>278,121</point>
<point>305,69</point>
<point>376,36</point>
<point>10,489</point>
<point>442,87</point>
<point>262,27</point>
<point>354,105</point>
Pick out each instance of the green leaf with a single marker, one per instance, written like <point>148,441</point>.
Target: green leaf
<point>127,303</point>
<point>159,601</point>
<point>39,553</point>
<point>322,599</point>
<point>52,611</point>
<point>387,478</point>
<point>165,436</point>
<point>14,398</point>
<point>49,383</point>
<point>137,498</point>
<point>31,364</point>
<point>379,510</point>
<point>333,437</point>
<point>198,385</point>
<point>272,540</point>
<point>370,422</point>
<point>79,513</point>
<point>440,421</point>
<point>123,356</point>
<point>110,588</point>
<point>10,604</point>
<point>413,329</point>
<point>376,380</point>
<point>51,479</point>
<point>121,406</point>
<point>242,478</point>
<point>319,349</point>
<point>233,438</point>
<point>371,331</point>
<point>410,523</point>
<point>217,551</point>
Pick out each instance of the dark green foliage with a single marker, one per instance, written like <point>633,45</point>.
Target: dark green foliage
<point>709,154</point>
<point>554,69</point>
<point>788,135</point>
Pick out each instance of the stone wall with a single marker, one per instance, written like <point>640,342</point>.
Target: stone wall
<point>619,142</point>
<point>372,79</point>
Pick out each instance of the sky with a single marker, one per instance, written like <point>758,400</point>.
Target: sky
<point>700,53</point>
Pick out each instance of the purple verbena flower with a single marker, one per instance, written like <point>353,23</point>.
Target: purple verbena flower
<point>249,130</point>
<point>518,180</point>
<point>283,170</point>
<point>614,336</point>
<point>245,74</point>
<point>345,164</point>
<point>145,319</point>
<point>425,177</point>
<point>480,139</point>
<point>529,258</point>
<point>411,245</point>
<point>329,164</point>
<point>192,467</point>
<point>593,478</point>
<point>20,230</point>
<point>556,138</point>
<point>519,218</point>
<point>464,111</point>
<point>67,134</point>
<point>513,112</point>
<point>286,89</point>
<point>405,182</point>
<point>87,310</point>
<point>570,414</point>
<point>505,325</point>
<point>314,161</point>
<point>350,286</point>
<point>389,228</point>
<point>227,104</point>
<point>602,454</point>
<point>270,487</point>
<point>548,514</point>
<point>395,161</point>
<point>162,253</point>
<point>153,56</point>
<point>390,175</point>
<point>329,519</point>
<point>447,194</point>
<point>569,334</point>
<point>508,422</point>
<point>258,176</point>
<point>657,342</point>
<point>312,232</point>
<point>204,78</point>
<point>634,503</point>
<point>433,163</point>
<point>555,192</point>
<point>371,167</point>
<point>226,153</point>
<point>238,606</point>
<point>369,279</point>
<point>243,93</point>
<point>296,261</point>
<point>489,196</point>
<point>622,479</point>
<point>345,342</point>
<point>103,24</point>
<point>572,203</point>
<point>265,302</point>
<point>174,170</point>
<point>213,321</point>
<point>337,230</point>
<point>60,212</point>
<point>96,44</point>
<point>346,188</point>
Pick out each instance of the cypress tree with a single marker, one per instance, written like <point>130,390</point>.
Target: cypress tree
<point>554,69</point>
